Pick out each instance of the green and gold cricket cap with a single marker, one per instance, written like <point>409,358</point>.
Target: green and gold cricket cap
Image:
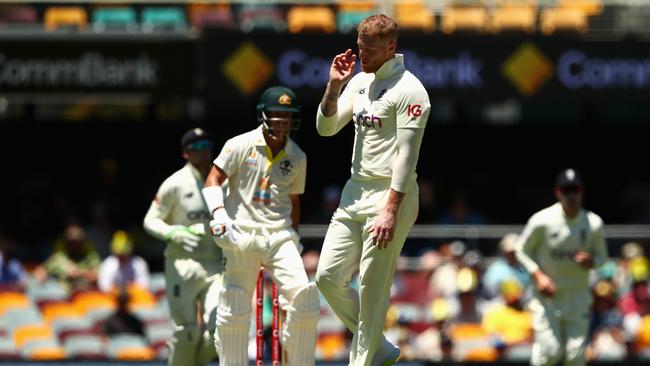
<point>279,99</point>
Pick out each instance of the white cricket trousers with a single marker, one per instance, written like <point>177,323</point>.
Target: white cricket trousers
<point>190,282</point>
<point>560,324</point>
<point>348,248</point>
<point>276,251</point>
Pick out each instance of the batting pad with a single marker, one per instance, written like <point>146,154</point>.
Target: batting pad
<point>233,318</point>
<point>299,333</point>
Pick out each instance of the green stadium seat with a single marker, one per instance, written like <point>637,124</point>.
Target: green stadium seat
<point>347,21</point>
<point>114,18</point>
<point>163,18</point>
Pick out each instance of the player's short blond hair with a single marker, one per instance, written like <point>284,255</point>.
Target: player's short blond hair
<point>379,25</point>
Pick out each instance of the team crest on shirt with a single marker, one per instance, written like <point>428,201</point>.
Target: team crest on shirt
<point>362,91</point>
<point>286,167</point>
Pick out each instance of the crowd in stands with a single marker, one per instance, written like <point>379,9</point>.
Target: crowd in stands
<point>453,305</point>
<point>327,17</point>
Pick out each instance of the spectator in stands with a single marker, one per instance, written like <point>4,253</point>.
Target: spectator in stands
<point>629,251</point>
<point>508,322</point>
<point>122,321</point>
<point>434,344</point>
<point>607,340</point>
<point>637,300</point>
<point>122,268</point>
<point>504,268</point>
<point>466,308</point>
<point>74,261</point>
<point>12,272</point>
<point>452,259</point>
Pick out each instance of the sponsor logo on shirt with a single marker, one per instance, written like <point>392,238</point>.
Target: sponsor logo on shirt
<point>251,160</point>
<point>263,194</point>
<point>198,215</point>
<point>367,120</point>
<point>286,167</point>
<point>563,254</point>
<point>414,110</point>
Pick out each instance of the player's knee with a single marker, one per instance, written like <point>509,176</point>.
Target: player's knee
<point>548,353</point>
<point>186,335</point>
<point>575,356</point>
<point>305,305</point>
<point>324,282</point>
<point>233,308</point>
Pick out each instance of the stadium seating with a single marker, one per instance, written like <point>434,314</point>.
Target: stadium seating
<point>414,15</point>
<point>211,15</point>
<point>114,18</point>
<point>57,17</point>
<point>472,16</point>
<point>562,19</point>
<point>43,349</point>
<point>85,347</point>
<point>518,15</point>
<point>264,17</point>
<point>311,18</point>
<point>17,15</point>
<point>160,19</point>
<point>129,347</point>
<point>8,350</point>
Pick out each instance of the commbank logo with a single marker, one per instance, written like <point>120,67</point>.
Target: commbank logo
<point>248,68</point>
<point>527,69</point>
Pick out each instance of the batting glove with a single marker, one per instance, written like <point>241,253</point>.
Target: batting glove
<point>220,223</point>
<point>184,237</point>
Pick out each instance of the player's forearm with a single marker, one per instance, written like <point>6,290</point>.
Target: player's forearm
<point>394,201</point>
<point>155,225</point>
<point>329,103</point>
<point>525,259</point>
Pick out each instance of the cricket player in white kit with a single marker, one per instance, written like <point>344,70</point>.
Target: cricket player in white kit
<point>558,247</point>
<point>379,204</point>
<point>257,225</point>
<point>193,261</point>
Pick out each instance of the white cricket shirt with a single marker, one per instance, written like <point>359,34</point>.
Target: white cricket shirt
<point>260,185</point>
<point>550,241</point>
<point>378,104</point>
<point>179,202</point>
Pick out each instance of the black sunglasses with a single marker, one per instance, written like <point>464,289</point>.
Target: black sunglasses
<point>570,189</point>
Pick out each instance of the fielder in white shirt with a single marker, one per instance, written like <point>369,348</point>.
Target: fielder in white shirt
<point>558,247</point>
<point>257,225</point>
<point>379,204</point>
<point>193,262</point>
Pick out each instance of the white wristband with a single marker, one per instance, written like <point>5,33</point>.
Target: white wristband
<point>213,196</point>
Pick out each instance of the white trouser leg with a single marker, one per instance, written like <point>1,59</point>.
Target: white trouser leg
<point>208,348</point>
<point>185,279</point>
<point>548,347</point>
